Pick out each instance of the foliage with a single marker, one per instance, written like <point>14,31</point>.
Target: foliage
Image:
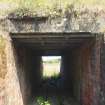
<point>52,61</point>
<point>59,100</point>
<point>42,101</point>
<point>43,7</point>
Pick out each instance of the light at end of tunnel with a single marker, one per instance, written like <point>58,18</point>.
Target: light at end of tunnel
<point>51,66</point>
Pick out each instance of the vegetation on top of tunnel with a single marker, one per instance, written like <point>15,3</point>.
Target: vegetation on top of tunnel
<point>44,7</point>
<point>52,61</point>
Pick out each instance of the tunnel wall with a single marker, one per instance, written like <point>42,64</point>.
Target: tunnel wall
<point>102,83</point>
<point>81,67</point>
<point>29,72</point>
<point>23,63</point>
<point>16,62</point>
<point>75,68</point>
<point>82,74</point>
<point>66,72</point>
<point>3,70</point>
<point>13,94</point>
<point>88,56</point>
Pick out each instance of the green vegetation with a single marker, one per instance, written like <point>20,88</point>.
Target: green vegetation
<point>42,101</point>
<point>52,61</point>
<point>42,7</point>
<point>51,69</point>
<point>59,100</point>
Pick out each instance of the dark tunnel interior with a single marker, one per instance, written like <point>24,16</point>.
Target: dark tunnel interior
<point>75,52</point>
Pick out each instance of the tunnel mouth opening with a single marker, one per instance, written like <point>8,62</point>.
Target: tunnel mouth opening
<point>75,50</point>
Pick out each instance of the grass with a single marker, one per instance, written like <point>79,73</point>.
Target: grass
<point>43,6</point>
<point>50,3</point>
<point>51,69</point>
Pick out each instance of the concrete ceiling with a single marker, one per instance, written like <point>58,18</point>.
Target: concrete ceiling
<point>52,42</point>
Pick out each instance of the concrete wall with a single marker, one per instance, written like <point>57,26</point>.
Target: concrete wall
<point>3,70</point>
<point>12,86</point>
<point>20,72</point>
<point>86,72</point>
<point>102,74</point>
<point>86,20</point>
<point>29,72</point>
<point>76,65</point>
<point>81,70</point>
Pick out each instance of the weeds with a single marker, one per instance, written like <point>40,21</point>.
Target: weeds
<point>43,7</point>
<point>42,101</point>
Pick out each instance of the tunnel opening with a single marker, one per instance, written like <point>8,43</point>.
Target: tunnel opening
<point>77,52</point>
<point>51,66</point>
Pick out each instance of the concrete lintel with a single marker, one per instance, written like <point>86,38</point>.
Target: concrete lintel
<point>52,34</point>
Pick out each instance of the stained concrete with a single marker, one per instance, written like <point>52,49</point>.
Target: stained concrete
<point>81,69</point>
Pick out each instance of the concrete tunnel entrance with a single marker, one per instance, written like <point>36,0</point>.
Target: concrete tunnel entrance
<point>78,62</point>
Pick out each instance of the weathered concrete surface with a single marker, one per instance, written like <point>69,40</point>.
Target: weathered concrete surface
<point>86,20</point>
<point>102,82</point>
<point>3,72</point>
<point>12,86</point>
<point>89,56</point>
<point>81,68</point>
<point>29,71</point>
<point>72,21</point>
<point>10,93</point>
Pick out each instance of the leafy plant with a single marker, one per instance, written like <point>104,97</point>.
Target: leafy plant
<point>42,101</point>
